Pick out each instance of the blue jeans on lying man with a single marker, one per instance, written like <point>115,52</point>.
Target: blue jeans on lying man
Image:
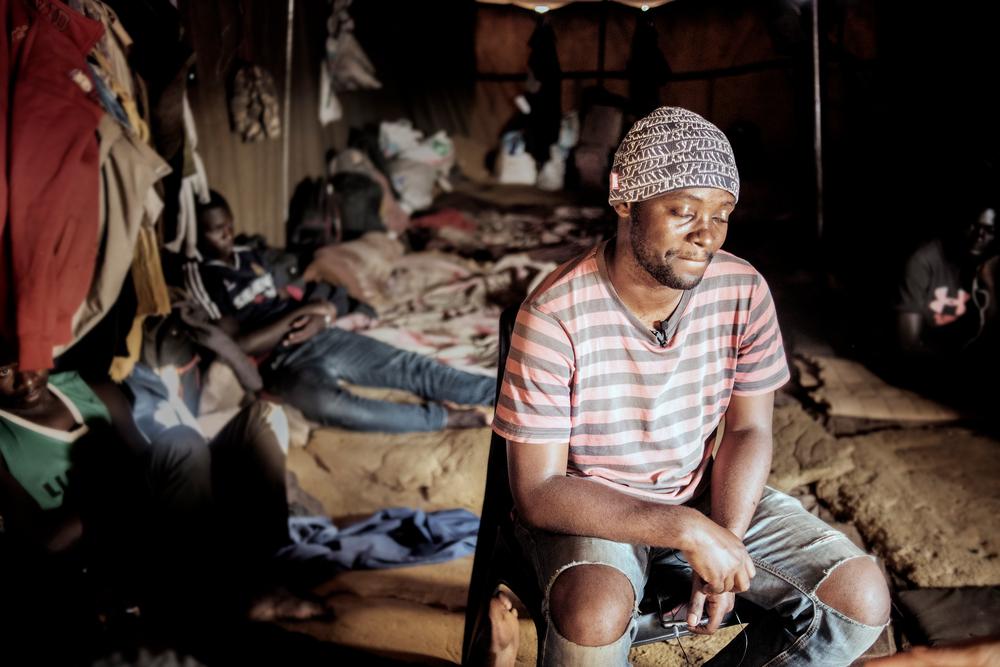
<point>308,377</point>
<point>793,552</point>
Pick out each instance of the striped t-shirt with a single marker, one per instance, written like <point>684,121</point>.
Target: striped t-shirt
<point>638,416</point>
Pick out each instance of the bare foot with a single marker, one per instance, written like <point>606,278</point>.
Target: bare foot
<point>282,604</point>
<point>467,418</point>
<point>504,637</point>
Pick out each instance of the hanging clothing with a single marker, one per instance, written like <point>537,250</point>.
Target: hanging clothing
<point>14,21</point>
<point>152,298</point>
<point>194,188</point>
<point>113,46</point>
<point>112,74</point>
<point>345,66</point>
<point>544,94</point>
<point>254,105</point>
<point>330,109</point>
<point>108,98</point>
<point>128,203</point>
<point>647,69</point>
<point>5,30</point>
<point>161,60</point>
<point>53,183</point>
<point>147,273</point>
<point>348,66</point>
<point>113,92</point>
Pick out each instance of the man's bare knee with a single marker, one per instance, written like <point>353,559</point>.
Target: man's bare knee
<point>857,589</point>
<point>591,605</point>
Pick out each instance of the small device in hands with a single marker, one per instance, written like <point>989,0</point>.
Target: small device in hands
<point>678,618</point>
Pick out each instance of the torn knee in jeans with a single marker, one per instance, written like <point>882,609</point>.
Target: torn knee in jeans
<point>857,590</point>
<point>591,604</point>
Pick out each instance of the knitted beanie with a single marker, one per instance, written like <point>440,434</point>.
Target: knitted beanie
<point>669,149</point>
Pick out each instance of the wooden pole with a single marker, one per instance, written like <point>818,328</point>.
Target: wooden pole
<point>602,32</point>
<point>285,139</point>
<point>817,118</point>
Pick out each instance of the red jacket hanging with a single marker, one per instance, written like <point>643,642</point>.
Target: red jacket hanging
<point>52,176</point>
<point>13,14</point>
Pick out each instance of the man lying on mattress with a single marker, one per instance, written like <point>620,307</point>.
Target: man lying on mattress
<point>309,346</point>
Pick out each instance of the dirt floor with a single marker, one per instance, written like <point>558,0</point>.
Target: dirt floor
<point>925,499</point>
<point>414,613</point>
<point>914,482</point>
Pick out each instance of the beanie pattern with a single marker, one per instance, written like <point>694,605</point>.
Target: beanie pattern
<point>670,149</point>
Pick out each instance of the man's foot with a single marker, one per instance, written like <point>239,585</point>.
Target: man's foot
<point>504,631</point>
<point>468,418</point>
<point>283,605</point>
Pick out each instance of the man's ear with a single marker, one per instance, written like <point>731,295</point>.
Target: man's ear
<point>623,209</point>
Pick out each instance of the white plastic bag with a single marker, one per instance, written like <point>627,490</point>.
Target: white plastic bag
<point>552,175</point>
<point>394,137</point>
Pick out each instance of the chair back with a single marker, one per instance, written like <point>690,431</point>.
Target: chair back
<point>498,558</point>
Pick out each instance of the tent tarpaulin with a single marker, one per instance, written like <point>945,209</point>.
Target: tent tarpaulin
<point>556,4</point>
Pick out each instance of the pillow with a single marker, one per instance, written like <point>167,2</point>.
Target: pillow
<point>362,266</point>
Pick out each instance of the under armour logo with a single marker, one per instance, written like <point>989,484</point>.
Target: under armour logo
<point>948,309</point>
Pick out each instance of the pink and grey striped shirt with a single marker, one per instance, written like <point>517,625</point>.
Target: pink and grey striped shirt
<point>638,416</point>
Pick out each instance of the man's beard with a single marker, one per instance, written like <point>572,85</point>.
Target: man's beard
<point>661,271</point>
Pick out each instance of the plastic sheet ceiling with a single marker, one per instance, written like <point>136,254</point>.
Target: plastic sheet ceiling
<point>542,6</point>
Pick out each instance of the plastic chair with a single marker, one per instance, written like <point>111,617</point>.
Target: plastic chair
<point>499,559</point>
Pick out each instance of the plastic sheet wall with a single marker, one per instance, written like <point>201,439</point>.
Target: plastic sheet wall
<point>428,54</point>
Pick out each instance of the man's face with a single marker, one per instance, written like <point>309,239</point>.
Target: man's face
<point>21,389</point>
<point>981,233</point>
<point>215,233</point>
<point>674,236</point>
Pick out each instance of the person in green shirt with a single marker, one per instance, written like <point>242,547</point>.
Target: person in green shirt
<point>182,527</point>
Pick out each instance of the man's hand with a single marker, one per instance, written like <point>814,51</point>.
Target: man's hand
<point>719,558</point>
<point>717,606</point>
<point>353,322</point>
<point>323,309</point>
<point>304,328</point>
<point>308,320</point>
<point>722,567</point>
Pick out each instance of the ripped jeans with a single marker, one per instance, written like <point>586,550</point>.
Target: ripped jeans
<point>793,552</point>
<point>308,376</point>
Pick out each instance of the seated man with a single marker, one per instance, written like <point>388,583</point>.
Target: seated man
<point>947,309</point>
<point>310,347</point>
<point>186,530</point>
<point>622,365</point>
